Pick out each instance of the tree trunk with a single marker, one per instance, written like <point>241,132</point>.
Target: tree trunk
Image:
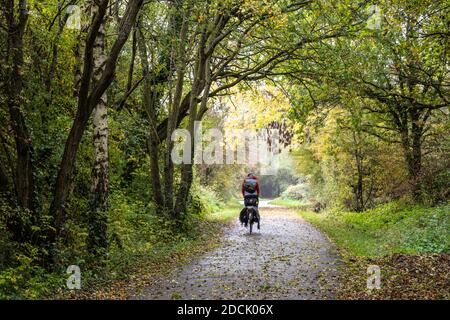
<point>415,164</point>
<point>359,184</point>
<point>24,170</point>
<point>3,182</point>
<point>358,188</point>
<point>172,119</point>
<point>411,140</point>
<point>98,219</point>
<point>86,102</point>
<point>187,168</point>
<point>202,82</point>
<point>153,138</point>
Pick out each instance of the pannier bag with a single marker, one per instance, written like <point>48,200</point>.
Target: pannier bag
<point>250,201</point>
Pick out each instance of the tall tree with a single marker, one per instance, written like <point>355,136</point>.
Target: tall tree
<point>100,182</point>
<point>399,68</point>
<point>410,82</point>
<point>180,64</point>
<point>88,97</point>
<point>24,175</point>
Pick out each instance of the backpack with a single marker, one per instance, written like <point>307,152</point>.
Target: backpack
<point>250,185</point>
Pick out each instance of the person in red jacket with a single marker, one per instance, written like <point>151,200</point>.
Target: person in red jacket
<point>250,177</point>
<point>250,190</point>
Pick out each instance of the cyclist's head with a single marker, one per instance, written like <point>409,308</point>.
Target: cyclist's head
<point>250,174</point>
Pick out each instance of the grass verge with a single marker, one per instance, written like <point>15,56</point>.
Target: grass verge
<point>160,261</point>
<point>228,213</point>
<point>410,244</point>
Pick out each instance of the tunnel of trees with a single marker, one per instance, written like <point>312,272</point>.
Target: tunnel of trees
<point>91,91</point>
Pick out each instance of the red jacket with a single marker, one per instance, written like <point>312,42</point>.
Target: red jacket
<point>257,184</point>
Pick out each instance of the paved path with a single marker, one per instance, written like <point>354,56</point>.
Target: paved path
<point>287,259</point>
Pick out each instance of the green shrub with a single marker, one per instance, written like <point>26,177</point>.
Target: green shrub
<point>296,192</point>
<point>203,200</point>
<point>27,280</point>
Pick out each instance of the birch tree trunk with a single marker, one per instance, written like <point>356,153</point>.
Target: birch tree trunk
<point>87,100</point>
<point>98,220</point>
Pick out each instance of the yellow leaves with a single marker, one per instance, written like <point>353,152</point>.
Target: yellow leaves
<point>281,21</point>
<point>257,108</point>
<point>132,158</point>
<point>258,7</point>
<point>323,139</point>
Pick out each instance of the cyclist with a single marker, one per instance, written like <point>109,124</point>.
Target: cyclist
<point>250,191</point>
